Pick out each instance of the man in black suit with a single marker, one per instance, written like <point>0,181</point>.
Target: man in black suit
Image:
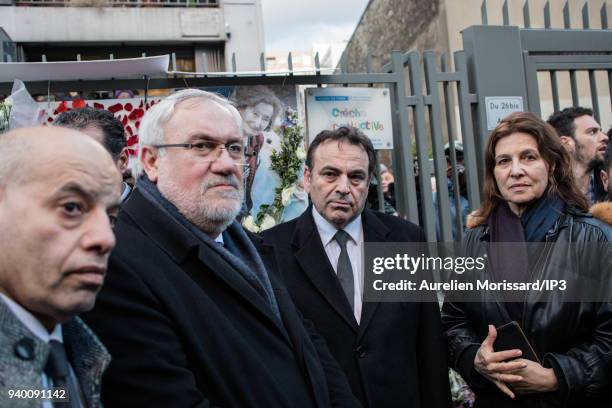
<point>189,311</point>
<point>392,353</point>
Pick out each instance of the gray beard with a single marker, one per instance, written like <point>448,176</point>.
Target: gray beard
<point>211,220</point>
<point>214,220</point>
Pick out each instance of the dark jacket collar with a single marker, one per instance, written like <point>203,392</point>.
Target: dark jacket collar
<point>180,243</point>
<point>167,233</point>
<point>87,356</point>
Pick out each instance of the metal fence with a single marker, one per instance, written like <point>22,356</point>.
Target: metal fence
<point>564,66</point>
<point>433,103</point>
<point>425,120</point>
<point>420,114</point>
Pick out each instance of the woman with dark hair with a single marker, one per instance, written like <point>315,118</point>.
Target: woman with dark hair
<point>530,197</point>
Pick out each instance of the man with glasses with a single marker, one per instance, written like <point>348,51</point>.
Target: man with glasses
<point>192,310</point>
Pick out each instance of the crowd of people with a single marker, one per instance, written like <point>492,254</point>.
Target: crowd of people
<point>154,295</point>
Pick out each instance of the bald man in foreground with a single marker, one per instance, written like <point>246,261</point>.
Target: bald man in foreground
<point>58,191</point>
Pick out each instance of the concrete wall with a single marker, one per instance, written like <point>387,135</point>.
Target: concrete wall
<point>104,24</point>
<point>238,24</point>
<point>403,25</point>
<point>244,22</point>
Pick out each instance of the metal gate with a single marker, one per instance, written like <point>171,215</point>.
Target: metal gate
<point>429,98</point>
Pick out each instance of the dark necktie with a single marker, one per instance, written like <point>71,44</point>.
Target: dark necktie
<point>344,269</point>
<point>57,370</point>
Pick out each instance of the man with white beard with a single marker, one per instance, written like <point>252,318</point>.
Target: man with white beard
<point>192,311</point>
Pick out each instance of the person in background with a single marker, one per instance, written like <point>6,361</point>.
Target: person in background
<point>59,191</point>
<point>530,197</point>
<point>605,172</point>
<point>463,201</point>
<point>582,136</point>
<point>105,128</point>
<point>388,184</point>
<point>603,209</point>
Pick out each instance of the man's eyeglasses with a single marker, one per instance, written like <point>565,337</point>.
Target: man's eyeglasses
<point>205,149</point>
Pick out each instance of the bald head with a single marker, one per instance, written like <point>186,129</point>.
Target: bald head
<point>25,153</point>
<point>59,191</point>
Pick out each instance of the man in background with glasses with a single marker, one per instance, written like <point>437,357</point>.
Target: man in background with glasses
<point>192,311</point>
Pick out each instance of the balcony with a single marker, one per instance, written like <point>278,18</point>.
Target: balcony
<point>111,3</point>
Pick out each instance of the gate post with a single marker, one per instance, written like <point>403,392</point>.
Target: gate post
<point>495,68</point>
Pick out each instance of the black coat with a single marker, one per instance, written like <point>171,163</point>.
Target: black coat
<point>572,338</point>
<point>186,330</point>
<point>396,357</point>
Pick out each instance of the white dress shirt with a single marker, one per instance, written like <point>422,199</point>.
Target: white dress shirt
<point>354,247</point>
<point>36,327</point>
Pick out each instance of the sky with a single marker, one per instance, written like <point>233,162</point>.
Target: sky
<point>294,25</point>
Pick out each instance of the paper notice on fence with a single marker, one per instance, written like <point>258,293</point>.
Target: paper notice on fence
<point>367,109</point>
<point>498,107</point>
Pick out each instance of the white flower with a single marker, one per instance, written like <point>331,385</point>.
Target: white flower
<point>286,195</point>
<point>249,223</point>
<point>267,222</point>
<point>300,153</point>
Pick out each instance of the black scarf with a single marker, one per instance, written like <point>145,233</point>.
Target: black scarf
<point>238,250</point>
<point>532,226</point>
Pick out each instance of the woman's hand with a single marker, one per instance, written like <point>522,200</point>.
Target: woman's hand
<point>535,379</point>
<point>493,366</point>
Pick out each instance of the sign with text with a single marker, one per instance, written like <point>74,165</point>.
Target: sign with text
<point>498,107</point>
<point>367,109</point>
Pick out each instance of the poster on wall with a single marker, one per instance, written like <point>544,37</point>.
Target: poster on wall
<point>265,111</point>
<point>128,110</point>
<point>367,109</point>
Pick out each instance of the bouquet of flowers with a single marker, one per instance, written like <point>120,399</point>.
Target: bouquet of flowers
<point>5,113</point>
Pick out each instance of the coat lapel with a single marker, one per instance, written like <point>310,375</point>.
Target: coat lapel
<point>292,320</point>
<point>88,357</point>
<point>19,369</point>
<point>178,243</point>
<point>313,260</point>
<point>374,231</point>
<point>227,273</point>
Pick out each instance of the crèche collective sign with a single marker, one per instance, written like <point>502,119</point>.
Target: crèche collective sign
<point>367,109</point>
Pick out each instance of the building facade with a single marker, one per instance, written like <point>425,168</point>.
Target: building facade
<point>203,34</point>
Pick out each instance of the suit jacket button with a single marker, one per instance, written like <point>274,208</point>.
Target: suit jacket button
<point>24,349</point>
<point>361,353</point>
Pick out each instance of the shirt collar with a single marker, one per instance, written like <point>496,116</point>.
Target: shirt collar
<point>327,230</point>
<point>125,193</point>
<point>32,323</point>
